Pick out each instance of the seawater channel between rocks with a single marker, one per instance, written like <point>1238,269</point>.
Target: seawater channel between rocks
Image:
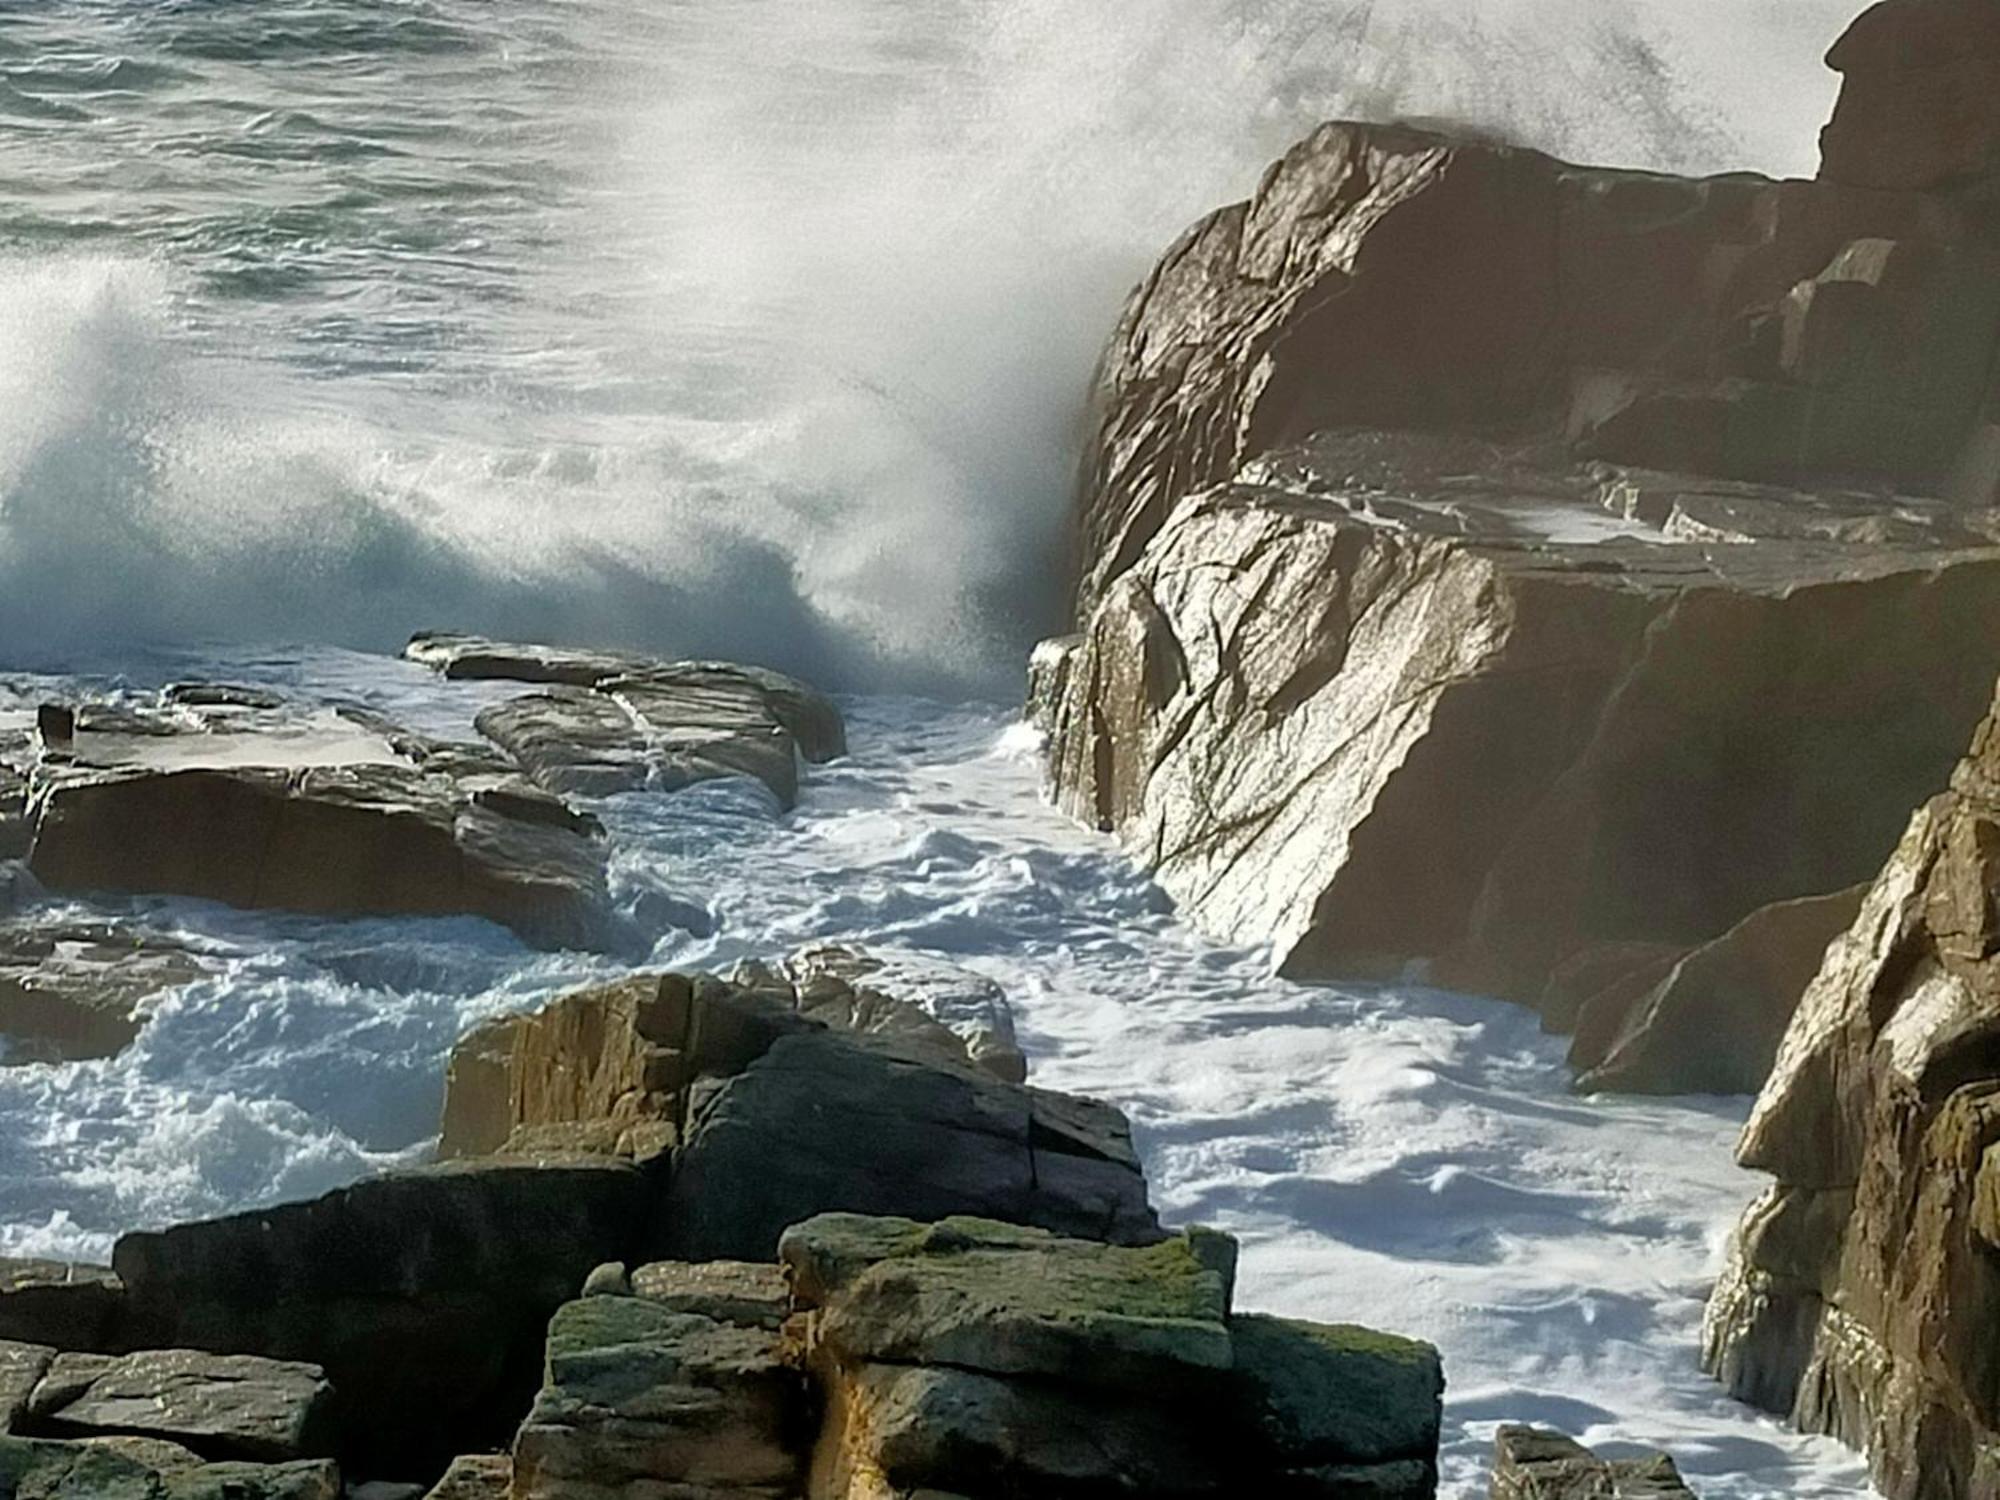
<point>1396,1156</point>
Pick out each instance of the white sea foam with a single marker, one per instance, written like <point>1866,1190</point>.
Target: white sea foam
<point>1394,1156</point>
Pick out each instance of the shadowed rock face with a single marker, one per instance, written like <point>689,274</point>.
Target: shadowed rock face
<point>1864,1287</point>
<point>1920,97</point>
<point>610,722</point>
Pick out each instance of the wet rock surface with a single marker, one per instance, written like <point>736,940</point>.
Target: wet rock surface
<point>1863,1288</point>
<point>1531,1463</point>
<point>71,990</point>
<point>609,722</point>
<point>1487,562</point>
<point>305,809</point>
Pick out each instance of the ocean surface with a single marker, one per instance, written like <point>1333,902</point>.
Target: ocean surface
<point>759,330</point>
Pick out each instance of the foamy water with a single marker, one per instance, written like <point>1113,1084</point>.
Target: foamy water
<point>758,330</point>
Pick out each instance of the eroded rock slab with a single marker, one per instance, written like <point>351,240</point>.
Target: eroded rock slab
<point>120,1469</point>
<point>307,810</point>
<point>1862,1293</point>
<point>224,1407</point>
<point>984,1360</point>
<point>73,990</point>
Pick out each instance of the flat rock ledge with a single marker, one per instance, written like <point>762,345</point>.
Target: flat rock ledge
<point>1531,573</point>
<point>608,722</point>
<point>1863,1290</point>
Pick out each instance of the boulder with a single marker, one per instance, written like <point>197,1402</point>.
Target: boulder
<point>611,722</point>
<point>423,1294</point>
<point>737,1078</point>
<point>640,1395</point>
<point>21,1369</point>
<point>824,1122</point>
<point>71,990</point>
<point>1712,1025</point>
<point>1411,697</point>
<point>39,1469</point>
<point>1919,99</point>
<point>988,1360</point>
<point>312,811</point>
<point>221,1406</point>
<point>1531,1463</point>
<point>1862,1290</point>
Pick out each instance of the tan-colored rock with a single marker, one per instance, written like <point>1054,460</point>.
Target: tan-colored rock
<point>71,990</point>
<point>1862,1295</point>
<point>1535,1464</point>
<point>1399,698</point>
<point>483,1476</point>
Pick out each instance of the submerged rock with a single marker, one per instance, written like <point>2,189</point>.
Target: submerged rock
<point>1863,1289</point>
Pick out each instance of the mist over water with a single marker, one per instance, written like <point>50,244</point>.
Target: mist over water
<point>753,329</point>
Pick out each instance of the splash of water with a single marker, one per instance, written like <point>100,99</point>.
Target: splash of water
<point>772,338</point>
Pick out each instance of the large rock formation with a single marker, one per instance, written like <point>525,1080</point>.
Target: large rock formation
<point>1530,569</point>
<point>974,1359</point>
<point>72,990</point>
<point>729,1089</point>
<point>1920,98</point>
<point>1863,1294</point>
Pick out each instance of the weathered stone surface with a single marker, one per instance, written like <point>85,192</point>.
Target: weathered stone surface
<point>613,722</point>
<point>1920,97</point>
<point>21,1369</point>
<point>742,1077</point>
<point>72,990</point>
<point>750,1294</point>
<point>1013,1302</point>
<point>915,999</point>
<point>642,1401</point>
<point>61,1305</point>
<point>39,1469</point>
<point>982,1359</point>
<point>309,811</point>
<point>823,1122</point>
<point>1532,1463</point>
<point>221,1406</point>
<point>1713,1024</point>
<point>1861,1298</point>
<point>1391,698</point>
<point>483,1476</point>
<point>422,1294</point>
<point>1386,277</point>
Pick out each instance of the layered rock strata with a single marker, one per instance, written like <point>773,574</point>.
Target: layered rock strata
<point>1536,571</point>
<point>609,722</point>
<point>1863,1292</point>
<point>974,1359</point>
<point>71,990</point>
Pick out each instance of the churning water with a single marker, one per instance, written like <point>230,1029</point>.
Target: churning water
<point>758,328</point>
<point>741,327</point>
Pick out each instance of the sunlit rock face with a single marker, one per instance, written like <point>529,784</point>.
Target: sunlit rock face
<point>1532,571</point>
<point>1864,1288</point>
